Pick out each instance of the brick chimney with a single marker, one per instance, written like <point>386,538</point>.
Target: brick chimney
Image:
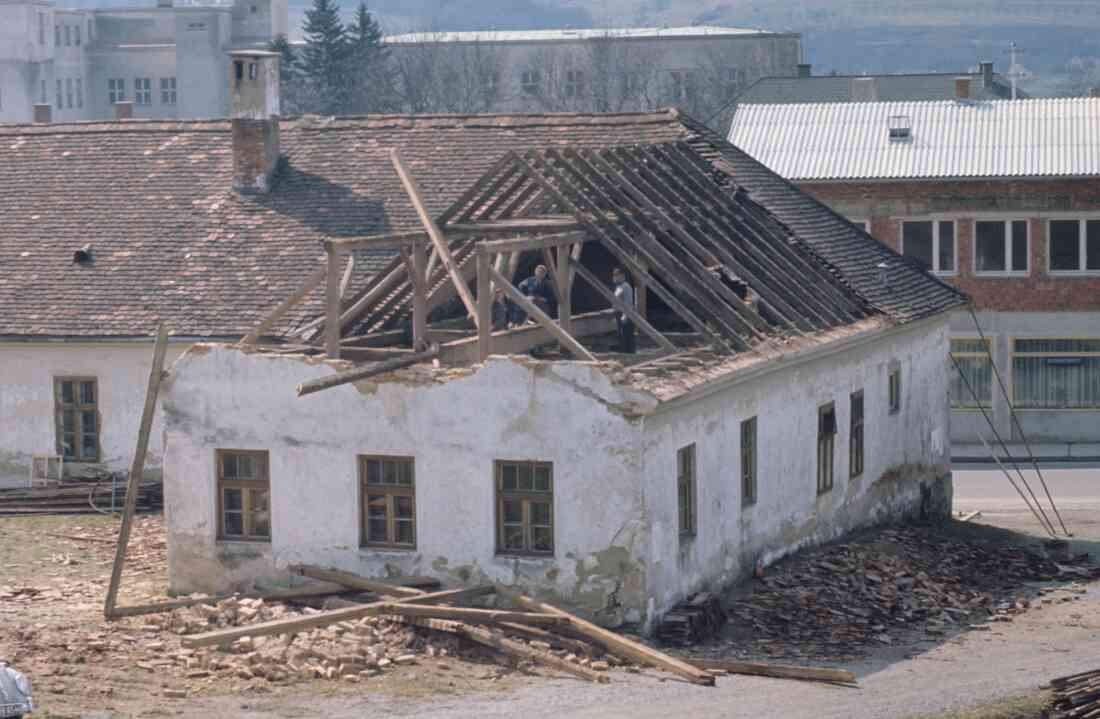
<point>254,113</point>
<point>124,110</point>
<point>987,74</point>
<point>43,114</point>
<point>962,88</point>
<point>805,69</point>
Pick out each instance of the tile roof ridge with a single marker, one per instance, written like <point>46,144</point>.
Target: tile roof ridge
<point>513,119</point>
<point>109,125</point>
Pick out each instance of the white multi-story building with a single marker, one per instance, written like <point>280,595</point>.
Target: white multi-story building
<point>82,62</point>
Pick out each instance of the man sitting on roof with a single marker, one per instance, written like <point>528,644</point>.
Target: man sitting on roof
<point>537,289</point>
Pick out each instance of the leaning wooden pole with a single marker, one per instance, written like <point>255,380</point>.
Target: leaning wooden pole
<point>436,235</point>
<point>354,375</point>
<point>156,373</point>
<point>297,296</point>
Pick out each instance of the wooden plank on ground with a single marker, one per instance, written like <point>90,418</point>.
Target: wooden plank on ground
<point>293,625</point>
<point>438,240</point>
<point>616,643</point>
<point>510,647</point>
<point>779,671</point>
<point>532,310</point>
<point>477,616</point>
<point>156,374</point>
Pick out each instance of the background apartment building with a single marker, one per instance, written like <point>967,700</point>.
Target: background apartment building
<point>81,62</point>
<point>999,198</point>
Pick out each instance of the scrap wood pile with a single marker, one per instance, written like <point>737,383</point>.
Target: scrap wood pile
<point>1076,696</point>
<point>836,602</point>
<point>252,637</point>
<point>78,496</point>
<point>697,619</point>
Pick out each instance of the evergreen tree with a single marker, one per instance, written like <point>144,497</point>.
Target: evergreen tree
<point>292,100</point>
<point>324,59</point>
<point>369,72</point>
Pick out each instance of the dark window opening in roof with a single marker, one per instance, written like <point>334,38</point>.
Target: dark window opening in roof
<point>900,127</point>
<point>238,70</point>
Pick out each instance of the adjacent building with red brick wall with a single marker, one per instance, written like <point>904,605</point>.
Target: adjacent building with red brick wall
<point>1001,200</point>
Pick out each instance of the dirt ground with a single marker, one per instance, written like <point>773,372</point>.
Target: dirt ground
<point>53,576</point>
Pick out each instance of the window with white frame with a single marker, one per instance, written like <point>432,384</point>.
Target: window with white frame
<point>931,243</point>
<point>1074,245</point>
<point>1001,247</point>
<point>168,91</point>
<point>574,83</point>
<point>116,90</point>
<point>143,92</point>
<point>1056,373</point>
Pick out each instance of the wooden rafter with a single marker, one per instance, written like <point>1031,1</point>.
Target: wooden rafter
<point>532,310</point>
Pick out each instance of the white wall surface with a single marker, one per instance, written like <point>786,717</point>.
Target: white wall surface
<point>568,414</point>
<point>788,512</point>
<point>27,371</point>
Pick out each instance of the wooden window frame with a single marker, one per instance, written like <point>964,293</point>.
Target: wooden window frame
<point>390,492</point>
<point>687,493</point>
<point>749,443</point>
<point>856,439</point>
<point>893,382</point>
<point>826,449</point>
<point>247,486</point>
<point>525,497</point>
<point>79,408</point>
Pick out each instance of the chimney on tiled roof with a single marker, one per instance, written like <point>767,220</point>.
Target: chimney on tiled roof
<point>962,88</point>
<point>254,113</point>
<point>987,74</point>
<point>124,110</point>
<point>43,114</point>
<point>805,69</point>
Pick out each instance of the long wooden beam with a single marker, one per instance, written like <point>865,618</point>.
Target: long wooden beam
<point>779,671</point>
<point>436,235</point>
<point>293,625</point>
<point>353,581</point>
<point>156,374</point>
<point>541,317</point>
<point>514,227</point>
<point>537,242</point>
<point>420,297</point>
<point>462,614</point>
<point>332,307</point>
<point>643,324</point>
<point>295,297</point>
<point>360,373</point>
<point>484,307</point>
<point>526,337</point>
<point>388,241</point>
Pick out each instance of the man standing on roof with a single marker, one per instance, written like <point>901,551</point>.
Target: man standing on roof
<point>537,289</point>
<point>625,293</point>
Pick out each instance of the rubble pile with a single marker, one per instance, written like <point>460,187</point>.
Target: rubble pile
<point>836,602</point>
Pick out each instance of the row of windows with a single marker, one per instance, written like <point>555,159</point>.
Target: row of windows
<point>1043,373</point>
<point>1002,247</point>
<point>70,32</point>
<point>143,90</point>
<point>70,93</point>
<point>687,501</point>
<point>681,85</point>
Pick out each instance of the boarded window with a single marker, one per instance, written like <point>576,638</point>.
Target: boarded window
<point>76,401</point>
<point>974,375</point>
<point>388,491</point>
<point>895,390</point>
<point>685,490</point>
<point>826,443</point>
<point>525,507</point>
<point>748,462</point>
<point>1056,373</point>
<point>855,438</point>
<point>244,495</point>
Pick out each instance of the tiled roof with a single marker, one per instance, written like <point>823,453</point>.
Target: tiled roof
<point>889,88</point>
<point>171,239</point>
<point>1048,137</point>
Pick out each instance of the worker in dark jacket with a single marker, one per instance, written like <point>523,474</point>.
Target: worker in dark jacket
<point>504,311</point>
<point>537,289</point>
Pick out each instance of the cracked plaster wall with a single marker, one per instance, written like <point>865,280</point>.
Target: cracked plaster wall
<point>27,372</point>
<point>904,452</point>
<point>570,414</point>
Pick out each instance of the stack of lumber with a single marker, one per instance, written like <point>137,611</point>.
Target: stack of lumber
<point>521,629</point>
<point>693,621</point>
<point>78,497</point>
<point>1077,696</point>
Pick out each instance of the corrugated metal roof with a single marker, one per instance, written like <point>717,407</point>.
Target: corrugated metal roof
<point>887,88</point>
<point>571,34</point>
<point>1047,137</point>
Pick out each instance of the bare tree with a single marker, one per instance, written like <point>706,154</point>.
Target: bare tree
<point>433,75</point>
<point>624,74</point>
<point>558,79</point>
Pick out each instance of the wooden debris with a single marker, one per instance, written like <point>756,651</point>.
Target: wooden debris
<point>616,643</point>
<point>77,538</point>
<point>692,621</point>
<point>314,589</point>
<point>477,616</point>
<point>354,581</point>
<point>1076,696</point>
<point>361,373</point>
<point>779,671</point>
<point>511,648</point>
<point>970,515</point>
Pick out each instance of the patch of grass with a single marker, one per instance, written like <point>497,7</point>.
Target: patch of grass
<point>1031,706</point>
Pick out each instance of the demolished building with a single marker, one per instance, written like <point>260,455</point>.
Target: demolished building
<point>790,384</point>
